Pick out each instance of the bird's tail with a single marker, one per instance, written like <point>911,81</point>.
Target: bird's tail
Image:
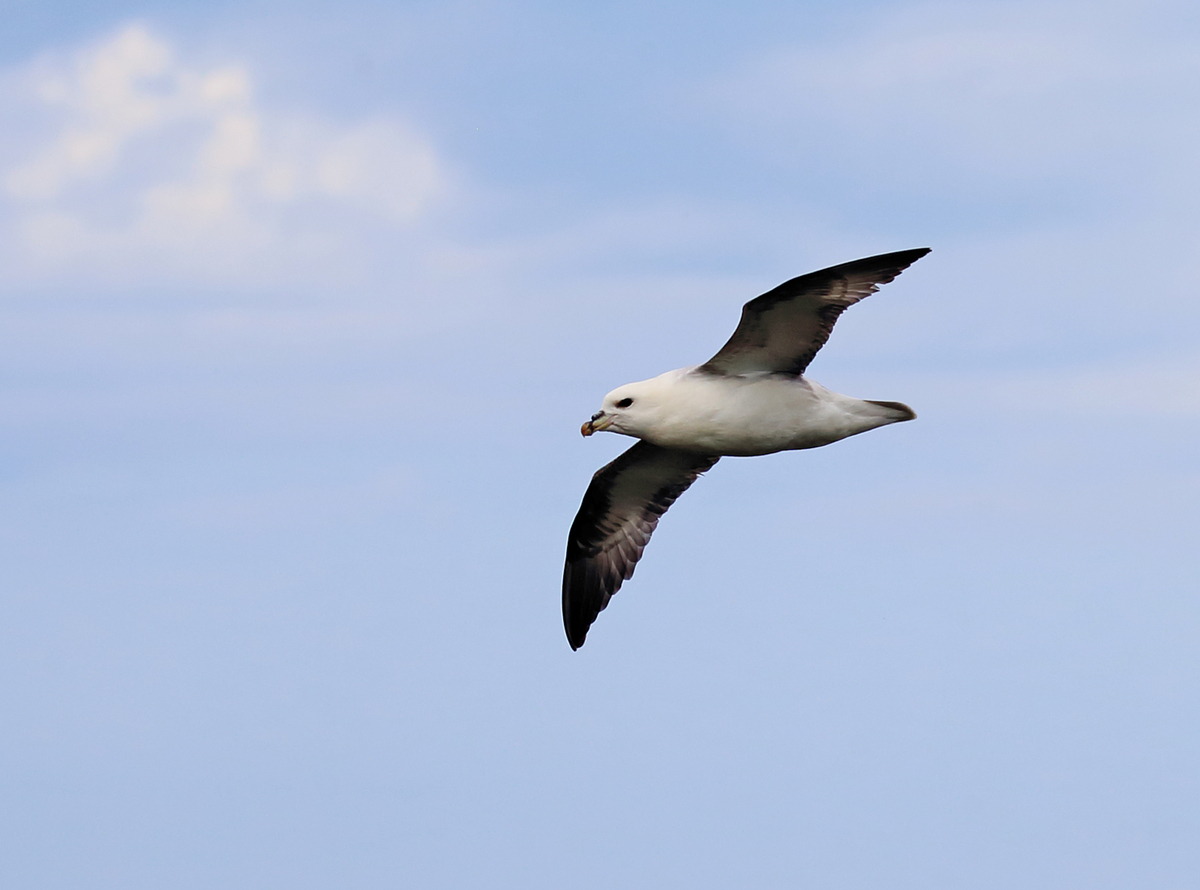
<point>892,412</point>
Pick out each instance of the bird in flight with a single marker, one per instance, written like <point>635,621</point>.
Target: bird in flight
<point>750,398</point>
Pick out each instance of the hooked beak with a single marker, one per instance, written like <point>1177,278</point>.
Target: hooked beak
<point>600,421</point>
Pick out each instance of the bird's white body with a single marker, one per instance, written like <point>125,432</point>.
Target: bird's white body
<point>743,415</point>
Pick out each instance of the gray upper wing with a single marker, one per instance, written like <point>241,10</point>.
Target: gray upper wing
<point>782,330</point>
<point>620,511</point>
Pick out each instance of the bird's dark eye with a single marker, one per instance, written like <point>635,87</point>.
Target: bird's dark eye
<point>624,403</point>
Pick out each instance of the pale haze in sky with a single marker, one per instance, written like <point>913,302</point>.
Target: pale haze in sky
<point>303,305</point>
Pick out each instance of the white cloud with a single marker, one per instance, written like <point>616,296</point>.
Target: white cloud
<point>144,163</point>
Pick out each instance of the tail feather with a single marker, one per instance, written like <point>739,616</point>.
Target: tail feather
<point>895,412</point>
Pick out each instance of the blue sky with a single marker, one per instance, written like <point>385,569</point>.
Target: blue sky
<point>303,306</point>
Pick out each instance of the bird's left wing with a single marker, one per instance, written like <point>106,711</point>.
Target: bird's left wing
<point>782,330</point>
<point>619,514</point>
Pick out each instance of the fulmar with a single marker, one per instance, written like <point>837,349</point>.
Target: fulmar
<point>750,398</point>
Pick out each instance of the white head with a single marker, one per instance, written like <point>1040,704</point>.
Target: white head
<point>632,409</point>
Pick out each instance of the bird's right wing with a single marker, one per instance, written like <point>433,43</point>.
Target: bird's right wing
<point>619,514</point>
<point>782,330</point>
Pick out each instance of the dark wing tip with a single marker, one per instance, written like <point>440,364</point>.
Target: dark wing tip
<point>905,258</point>
<point>576,636</point>
<point>884,264</point>
<point>583,599</point>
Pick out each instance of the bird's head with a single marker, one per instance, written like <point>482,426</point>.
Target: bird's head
<point>625,410</point>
